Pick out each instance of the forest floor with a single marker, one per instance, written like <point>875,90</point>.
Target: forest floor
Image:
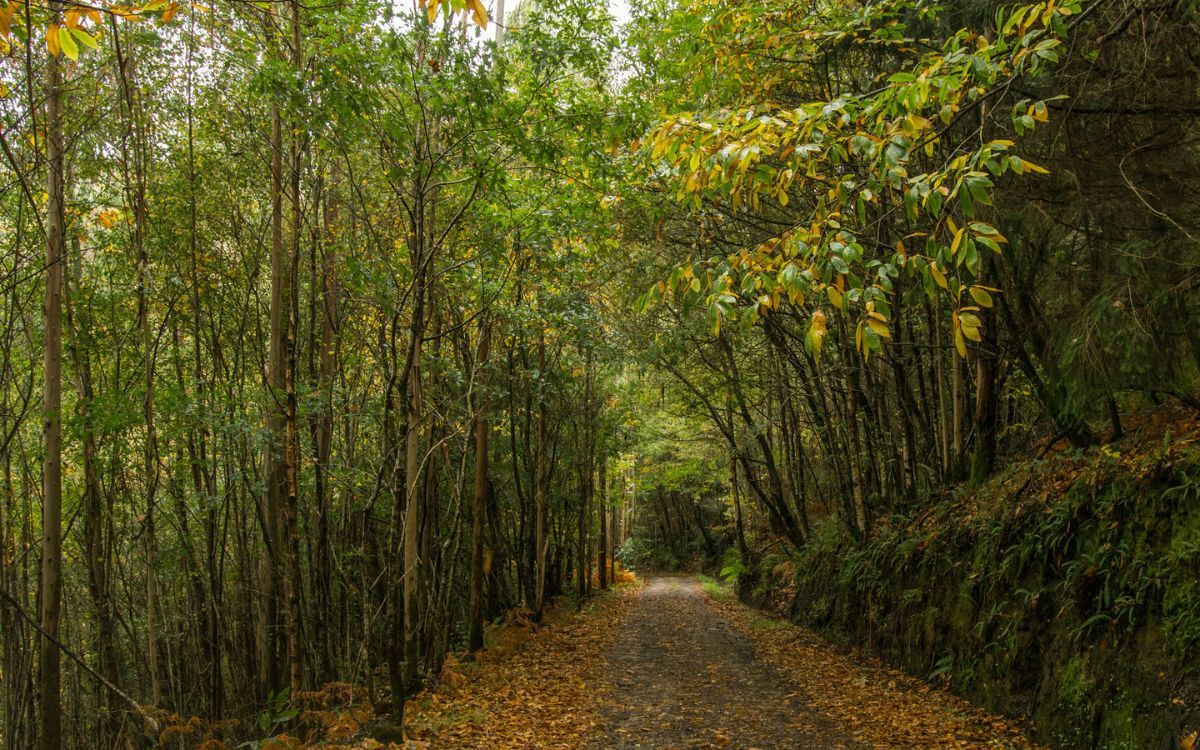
<point>675,663</point>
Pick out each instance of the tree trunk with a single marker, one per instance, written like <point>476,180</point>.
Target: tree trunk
<point>939,357</point>
<point>203,479</point>
<point>49,676</point>
<point>540,540</point>
<point>413,485</point>
<point>602,547</point>
<point>856,471</point>
<point>136,194</point>
<point>475,636</point>
<point>323,584</point>
<point>97,555</point>
<point>983,457</point>
<point>266,624</point>
<point>294,582</point>
<point>958,399</point>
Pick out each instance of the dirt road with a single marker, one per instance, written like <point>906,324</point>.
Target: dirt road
<point>694,682</point>
<point>670,666</point>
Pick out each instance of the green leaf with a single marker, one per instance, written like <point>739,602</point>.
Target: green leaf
<point>981,296</point>
<point>85,38</point>
<point>959,344</point>
<point>67,43</point>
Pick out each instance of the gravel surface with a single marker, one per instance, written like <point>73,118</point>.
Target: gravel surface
<point>684,678</point>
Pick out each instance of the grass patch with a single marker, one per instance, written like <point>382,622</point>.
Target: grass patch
<point>713,587</point>
<point>769,623</point>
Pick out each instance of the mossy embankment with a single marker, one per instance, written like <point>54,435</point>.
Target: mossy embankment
<point>1066,591</point>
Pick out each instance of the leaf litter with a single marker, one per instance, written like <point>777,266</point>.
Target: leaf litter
<point>664,665</point>
<point>881,706</point>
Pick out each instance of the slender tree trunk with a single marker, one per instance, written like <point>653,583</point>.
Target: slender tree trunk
<point>203,480</point>
<point>614,519</point>
<point>421,259</point>
<point>412,501</point>
<point>430,562</point>
<point>540,540</point>
<point>96,546</point>
<point>581,551</point>
<point>323,584</point>
<point>294,583</point>
<point>602,506</point>
<point>958,400</point>
<point>136,190</point>
<point>739,524</point>
<point>585,486</point>
<point>856,470</point>
<point>475,636</point>
<point>267,639</point>
<point>939,357</point>
<point>391,477</point>
<point>983,457</point>
<point>49,675</point>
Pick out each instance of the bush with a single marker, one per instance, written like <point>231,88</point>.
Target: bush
<point>637,552</point>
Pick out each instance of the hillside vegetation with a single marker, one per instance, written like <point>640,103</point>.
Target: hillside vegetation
<point>1063,590</point>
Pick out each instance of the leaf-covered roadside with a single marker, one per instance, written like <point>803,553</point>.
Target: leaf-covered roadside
<point>883,707</point>
<point>532,687</point>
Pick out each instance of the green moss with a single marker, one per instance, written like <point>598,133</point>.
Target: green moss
<point>1075,685</point>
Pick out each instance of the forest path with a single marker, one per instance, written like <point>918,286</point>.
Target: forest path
<point>671,664</point>
<point>688,670</point>
<point>693,681</point>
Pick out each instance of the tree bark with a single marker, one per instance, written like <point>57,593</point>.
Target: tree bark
<point>540,540</point>
<point>983,456</point>
<point>323,584</point>
<point>294,583</point>
<point>49,675</point>
<point>475,636</point>
<point>602,506</point>
<point>136,194</point>
<point>266,624</point>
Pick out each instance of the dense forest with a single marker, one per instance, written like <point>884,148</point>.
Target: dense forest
<point>338,336</point>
